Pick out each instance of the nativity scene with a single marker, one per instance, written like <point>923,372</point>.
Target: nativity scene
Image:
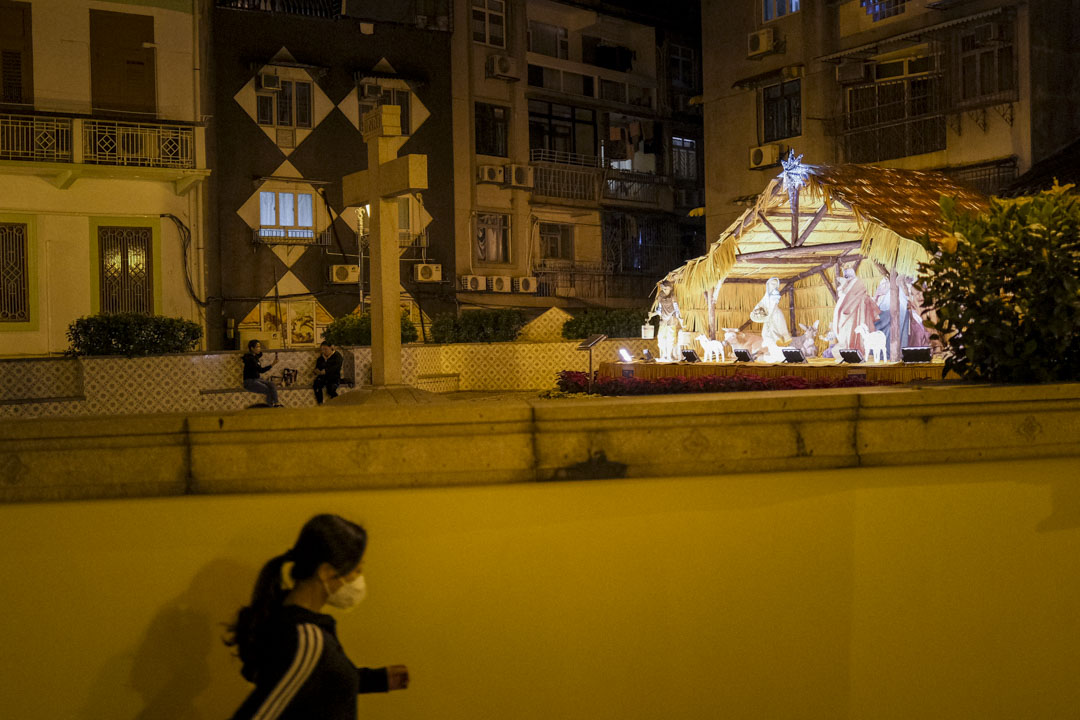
<point>822,269</point>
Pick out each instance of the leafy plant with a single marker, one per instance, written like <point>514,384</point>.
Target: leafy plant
<point>356,330</point>
<point>1006,289</point>
<point>477,326</point>
<point>613,323</point>
<point>131,334</point>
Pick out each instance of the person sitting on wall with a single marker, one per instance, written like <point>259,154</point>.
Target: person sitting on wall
<point>253,368</point>
<point>327,371</point>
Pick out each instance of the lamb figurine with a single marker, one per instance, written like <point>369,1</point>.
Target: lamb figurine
<point>874,341</point>
<point>711,348</point>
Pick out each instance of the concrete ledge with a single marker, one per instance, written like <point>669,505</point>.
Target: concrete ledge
<point>508,441</point>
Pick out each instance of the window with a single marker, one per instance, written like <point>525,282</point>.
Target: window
<point>289,215</point>
<point>772,9</point>
<point>126,269</point>
<point>571,83</point>
<point>881,9</point>
<point>556,241</point>
<point>561,128</point>
<point>290,106</point>
<point>489,22</point>
<point>781,110</point>
<point>493,237</point>
<point>684,158</point>
<point>14,273</point>
<point>683,68</point>
<point>549,40</point>
<point>987,66</point>
<point>123,73</point>
<point>492,130</point>
<point>373,95</point>
<point>16,71</point>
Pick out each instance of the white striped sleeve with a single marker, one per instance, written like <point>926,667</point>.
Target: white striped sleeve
<point>309,647</point>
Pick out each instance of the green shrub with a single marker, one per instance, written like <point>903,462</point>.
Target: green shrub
<point>477,326</point>
<point>356,330</point>
<point>131,334</point>
<point>613,323</point>
<point>1006,289</point>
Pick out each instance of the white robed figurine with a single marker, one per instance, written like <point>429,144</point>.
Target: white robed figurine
<point>668,334</point>
<point>774,329</point>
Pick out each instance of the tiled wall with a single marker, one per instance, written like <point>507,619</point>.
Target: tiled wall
<point>49,387</point>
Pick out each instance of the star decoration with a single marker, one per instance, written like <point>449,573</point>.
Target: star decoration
<point>795,173</point>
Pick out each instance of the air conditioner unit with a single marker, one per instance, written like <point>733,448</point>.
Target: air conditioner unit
<point>518,176</point>
<point>266,81</point>
<point>490,174</point>
<point>368,90</point>
<point>499,283</point>
<point>764,156</point>
<point>427,272</point>
<point>285,137</point>
<point>502,67</point>
<point>344,274</point>
<point>852,72</point>
<point>473,283</point>
<point>525,284</point>
<point>760,42</point>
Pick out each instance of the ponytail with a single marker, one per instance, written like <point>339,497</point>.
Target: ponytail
<point>268,595</point>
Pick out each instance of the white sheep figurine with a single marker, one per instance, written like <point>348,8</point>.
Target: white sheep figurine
<point>711,348</point>
<point>874,341</point>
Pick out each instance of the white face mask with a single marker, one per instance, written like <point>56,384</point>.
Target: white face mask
<point>348,595</point>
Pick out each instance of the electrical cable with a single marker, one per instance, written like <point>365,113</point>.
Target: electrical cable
<point>185,246</point>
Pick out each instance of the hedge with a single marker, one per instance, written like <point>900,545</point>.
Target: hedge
<point>131,334</point>
<point>602,321</point>
<point>475,326</point>
<point>356,330</point>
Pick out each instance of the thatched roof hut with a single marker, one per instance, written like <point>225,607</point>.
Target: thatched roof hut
<point>808,221</point>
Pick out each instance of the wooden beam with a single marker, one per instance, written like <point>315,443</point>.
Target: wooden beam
<point>775,232</point>
<point>791,307</point>
<point>805,251</point>
<point>794,219</point>
<point>810,228</point>
<point>828,283</point>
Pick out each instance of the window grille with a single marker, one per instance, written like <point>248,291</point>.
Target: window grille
<point>881,9</point>
<point>126,269</point>
<point>684,158</point>
<point>14,273</point>
<point>492,129</point>
<point>556,241</point>
<point>493,237</point>
<point>781,106</point>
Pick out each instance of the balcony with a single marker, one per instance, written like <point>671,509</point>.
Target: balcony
<point>66,148</point>
<point>290,236</point>
<point>894,119</point>
<point>634,187</point>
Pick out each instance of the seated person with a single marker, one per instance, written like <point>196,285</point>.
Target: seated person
<point>253,368</point>
<point>327,371</point>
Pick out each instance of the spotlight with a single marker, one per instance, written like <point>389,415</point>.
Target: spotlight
<point>915,354</point>
<point>793,355</point>
<point>647,356</point>
<point>690,356</point>
<point>743,355</point>
<point>626,356</point>
<point>851,355</point>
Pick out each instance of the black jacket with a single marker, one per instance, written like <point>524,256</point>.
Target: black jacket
<point>252,366</point>
<point>302,673</point>
<point>332,366</point>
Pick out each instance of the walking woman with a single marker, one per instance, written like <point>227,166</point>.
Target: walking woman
<point>289,648</point>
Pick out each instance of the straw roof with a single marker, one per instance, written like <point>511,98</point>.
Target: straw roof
<point>844,213</point>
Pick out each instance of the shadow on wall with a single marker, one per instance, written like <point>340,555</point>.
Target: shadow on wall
<point>181,656</point>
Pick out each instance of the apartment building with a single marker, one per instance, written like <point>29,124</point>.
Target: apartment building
<point>102,163</point>
<point>979,89</point>
<point>292,82</point>
<point>579,153</point>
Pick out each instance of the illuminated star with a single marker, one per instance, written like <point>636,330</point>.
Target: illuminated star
<point>795,173</point>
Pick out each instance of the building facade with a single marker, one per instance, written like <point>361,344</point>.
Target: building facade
<point>979,89</point>
<point>102,163</point>
<point>292,81</point>
<point>584,152</point>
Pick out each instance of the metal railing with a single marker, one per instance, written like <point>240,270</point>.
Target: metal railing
<point>311,8</point>
<point>566,182</point>
<point>290,236</point>
<point>633,186</point>
<point>107,142</point>
<point>561,157</point>
<point>34,137</point>
<point>565,278</point>
<point>406,239</point>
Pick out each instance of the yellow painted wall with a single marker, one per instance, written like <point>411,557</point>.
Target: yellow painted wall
<point>918,592</point>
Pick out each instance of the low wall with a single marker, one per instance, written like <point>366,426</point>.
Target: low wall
<point>184,383</point>
<point>880,554</point>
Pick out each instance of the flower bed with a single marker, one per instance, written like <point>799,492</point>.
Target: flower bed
<point>571,381</point>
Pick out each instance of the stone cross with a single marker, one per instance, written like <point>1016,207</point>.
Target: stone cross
<point>387,177</point>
